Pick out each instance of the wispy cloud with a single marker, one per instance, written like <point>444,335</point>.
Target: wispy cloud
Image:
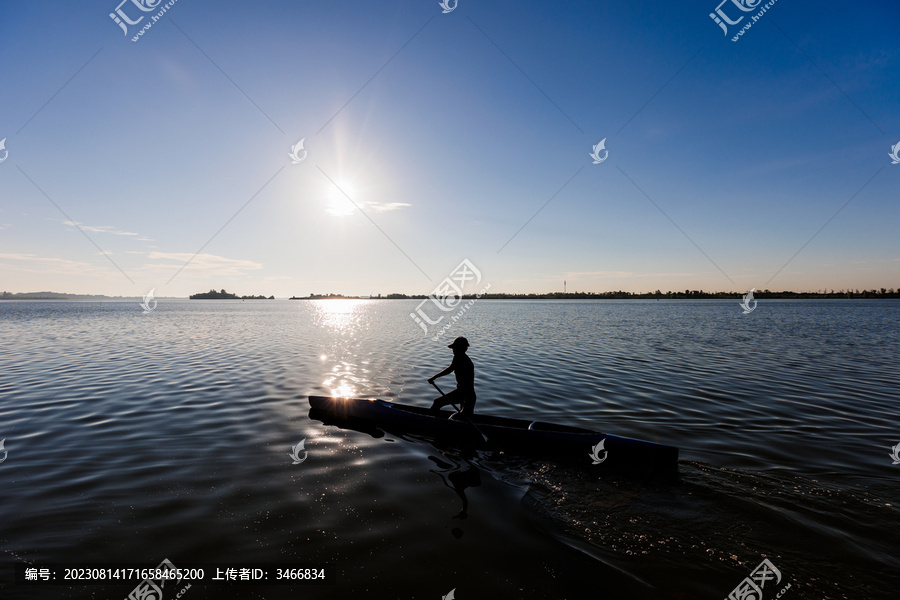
<point>385,206</point>
<point>99,229</point>
<point>203,265</point>
<point>47,264</point>
<point>341,209</point>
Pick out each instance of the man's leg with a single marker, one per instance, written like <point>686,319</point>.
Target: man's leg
<point>467,405</point>
<point>444,400</point>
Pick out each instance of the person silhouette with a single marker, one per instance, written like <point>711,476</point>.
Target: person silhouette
<point>464,394</point>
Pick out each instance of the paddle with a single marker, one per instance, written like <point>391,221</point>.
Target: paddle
<point>462,415</point>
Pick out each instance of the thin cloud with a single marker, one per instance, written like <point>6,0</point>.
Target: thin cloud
<point>386,206</point>
<point>47,264</point>
<point>343,209</point>
<point>99,229</point>
<point>207,265</point>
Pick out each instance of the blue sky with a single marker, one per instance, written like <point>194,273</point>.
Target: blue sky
<point>448,132</point>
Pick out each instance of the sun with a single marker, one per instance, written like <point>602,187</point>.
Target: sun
<point>341,198</point>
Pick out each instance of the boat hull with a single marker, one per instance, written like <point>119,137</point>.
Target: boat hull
<point>514,435</point>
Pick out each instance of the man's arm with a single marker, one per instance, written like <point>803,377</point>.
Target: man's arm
<point>446,371</point>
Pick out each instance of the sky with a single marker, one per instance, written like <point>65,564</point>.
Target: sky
<point>433,137</point>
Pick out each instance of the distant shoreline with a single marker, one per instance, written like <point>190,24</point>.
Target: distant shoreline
<point>620,295</point>
<point>686,295</point>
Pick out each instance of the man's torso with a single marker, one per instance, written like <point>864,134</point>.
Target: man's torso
<point>465,374</point>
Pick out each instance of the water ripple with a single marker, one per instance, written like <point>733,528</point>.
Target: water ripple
<point>168,434</point>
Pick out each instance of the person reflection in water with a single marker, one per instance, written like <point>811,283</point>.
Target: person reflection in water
<point>460,480</point>
<point>464,394</point>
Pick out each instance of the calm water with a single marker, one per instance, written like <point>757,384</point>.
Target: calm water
<point>137,437</point>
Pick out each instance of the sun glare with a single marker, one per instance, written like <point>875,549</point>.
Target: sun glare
<point>338,196</point>
<point>338,306</point>
<point>343,315</point>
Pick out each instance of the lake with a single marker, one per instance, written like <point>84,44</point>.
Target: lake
<point>136,437</point>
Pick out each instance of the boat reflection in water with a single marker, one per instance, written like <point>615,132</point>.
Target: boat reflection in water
<point>456,469</point>
<point>461,455</point>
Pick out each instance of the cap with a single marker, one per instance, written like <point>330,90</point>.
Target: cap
<point>460,341</point>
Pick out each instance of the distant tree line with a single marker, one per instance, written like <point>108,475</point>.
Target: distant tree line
<point>659,295</point>
<point>33,296</point>
<point>616,295</point>
<point>333,296</point>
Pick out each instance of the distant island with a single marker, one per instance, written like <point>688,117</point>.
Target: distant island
<point>223,295</point>
<point>64,296</point>
<point>34,296</point>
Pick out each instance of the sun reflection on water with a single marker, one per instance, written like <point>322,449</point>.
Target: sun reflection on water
<point>339,388</point>
<point>342,314</point>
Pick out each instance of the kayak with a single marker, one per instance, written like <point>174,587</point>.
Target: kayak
<point>524,436</point>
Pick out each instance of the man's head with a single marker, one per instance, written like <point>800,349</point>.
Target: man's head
<point>459,345</point>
